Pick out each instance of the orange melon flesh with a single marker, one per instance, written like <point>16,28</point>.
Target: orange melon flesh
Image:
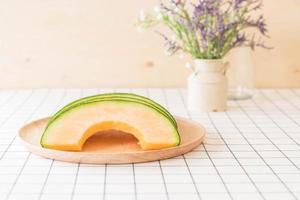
<point>71,130</point>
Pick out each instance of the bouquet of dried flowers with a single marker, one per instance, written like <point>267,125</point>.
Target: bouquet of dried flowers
<point>208,29</point>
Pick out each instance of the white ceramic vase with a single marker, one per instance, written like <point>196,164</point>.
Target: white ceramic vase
<point>207,86</point>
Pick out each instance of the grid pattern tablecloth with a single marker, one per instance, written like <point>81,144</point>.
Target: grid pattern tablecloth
<point>251,152</point>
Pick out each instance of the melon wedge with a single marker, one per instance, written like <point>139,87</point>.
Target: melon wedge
<point>116,96</point>
<point>75,123</point>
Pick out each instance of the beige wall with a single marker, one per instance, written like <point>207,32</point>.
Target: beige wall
<point>76,43</point>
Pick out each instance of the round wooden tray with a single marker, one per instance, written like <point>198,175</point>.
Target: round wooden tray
<point>113,147</point>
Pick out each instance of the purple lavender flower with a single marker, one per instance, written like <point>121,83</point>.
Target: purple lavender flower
<point>213,27</point>
<point>176,2</point>
<point>261,24</point>
<point>199,10</point>
<point>171,45</point>
<point>239,40</point>
<point>238,3</point>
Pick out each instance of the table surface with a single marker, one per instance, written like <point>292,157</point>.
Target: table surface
<point>251,151</point>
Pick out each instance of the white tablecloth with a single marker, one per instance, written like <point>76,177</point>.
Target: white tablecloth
<point>251,152</point>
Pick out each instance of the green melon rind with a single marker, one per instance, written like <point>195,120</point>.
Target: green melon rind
<point>94,100</point>
<point>116,95</point>
<point>177,135</point>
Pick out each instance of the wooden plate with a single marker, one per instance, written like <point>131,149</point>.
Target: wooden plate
<point>113,147</point>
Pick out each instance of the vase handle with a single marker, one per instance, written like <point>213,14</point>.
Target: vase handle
<point>226,66</point>
<point>191,67</point>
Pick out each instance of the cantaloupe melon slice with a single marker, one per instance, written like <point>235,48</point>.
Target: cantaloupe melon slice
<point>116,96</point>
<point>70,129</point>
